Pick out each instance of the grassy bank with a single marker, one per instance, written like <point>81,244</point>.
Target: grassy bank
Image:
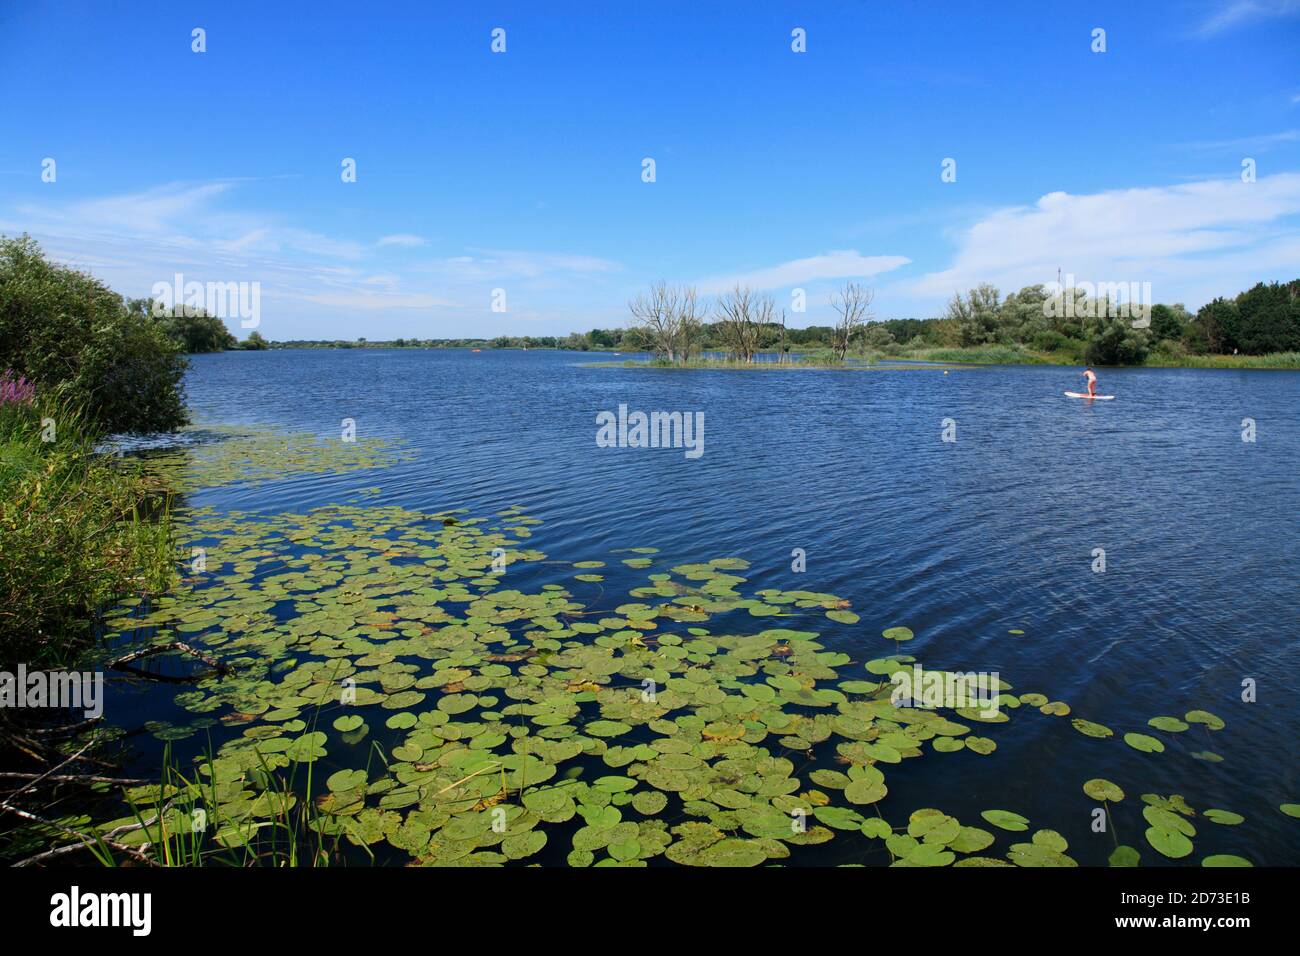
<point>77,530</point>
<point>1276,360</point>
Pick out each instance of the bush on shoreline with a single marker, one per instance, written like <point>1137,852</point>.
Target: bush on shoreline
<point>78,530</point>
<point>80,342</point>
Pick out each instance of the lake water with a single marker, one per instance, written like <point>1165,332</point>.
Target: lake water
<point>962,541</point>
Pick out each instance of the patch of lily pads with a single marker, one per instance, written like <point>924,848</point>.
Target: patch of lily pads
<point>212,456</point>
<point>451,713</point>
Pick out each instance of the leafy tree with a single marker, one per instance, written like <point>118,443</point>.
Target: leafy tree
<point>255,342</point>
<point>77,339</point>
<point>1221,323</point>
<point>1269,318</point>
<point>877,336</point>
<point>196,331</point>
<point>1116,342</point>
<point>976,316</point>
<point>1168,322</point>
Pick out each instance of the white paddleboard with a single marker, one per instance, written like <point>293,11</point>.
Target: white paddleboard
<point>1099,398</point>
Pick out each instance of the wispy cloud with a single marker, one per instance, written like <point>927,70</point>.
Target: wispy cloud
<point>1191,241</point>
<point>379,301</point>
<point>132,241</point>
<point>837,264</point>
<point>1240,13</point>
<point>1247,142</point>
<point>500,265</point>
<point>403,239</point>
<point>151,212</point>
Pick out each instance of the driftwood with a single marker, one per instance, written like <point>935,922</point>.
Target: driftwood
<point>65,730</point>
<point>86,841</point>
<point>36,743</point>
<point>120,663</point>
<point>75,778</point>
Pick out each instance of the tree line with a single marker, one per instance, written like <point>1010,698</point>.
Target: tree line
<point>197,332</point>
<point>1264,319</point>
<point>672,322</point>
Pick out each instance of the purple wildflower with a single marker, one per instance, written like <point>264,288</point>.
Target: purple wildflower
<point>15,390</point>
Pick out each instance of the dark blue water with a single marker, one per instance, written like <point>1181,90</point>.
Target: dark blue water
<point>961,541</point>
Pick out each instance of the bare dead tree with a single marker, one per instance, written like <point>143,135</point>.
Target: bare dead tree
<point>853,305</point>
<point>743,315</point>
<point>690,322</point>
<point>666,321</point>
<point>764,319</point>
<point>649,328</point>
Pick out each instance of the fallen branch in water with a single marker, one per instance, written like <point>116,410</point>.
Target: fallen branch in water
<point>136,852</point>
<point>66,730</point>
<point>75,778</point>
<point>120,662</point>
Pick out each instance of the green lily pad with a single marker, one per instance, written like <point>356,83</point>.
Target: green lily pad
<point>1090,729</point>
<point>1225,817</point>
<point>524,844</point>
<point>1144,743</point>
<point>1124,855</point>
<point>1204,717</point>
<point>1169,724</point>
<point>1170,843</point>
<point>1100,789</point>
<point>1006,820</point>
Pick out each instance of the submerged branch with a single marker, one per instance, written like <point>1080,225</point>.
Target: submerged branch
<point>119,663</point>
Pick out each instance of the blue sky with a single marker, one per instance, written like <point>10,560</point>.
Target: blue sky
<point>522,170</point>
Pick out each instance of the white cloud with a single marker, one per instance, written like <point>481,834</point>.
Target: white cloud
<point>375,301</point>
<point>1249,142</point>
<point>403,239</point>
<point>153,211</point>
<point>1239,13</point>
<point>498,265</point>
<point>320,285</point>
<point>837,264</point>
<point>1192,241</point>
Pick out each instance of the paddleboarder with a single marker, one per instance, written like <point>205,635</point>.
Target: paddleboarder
<point>1092,381</point>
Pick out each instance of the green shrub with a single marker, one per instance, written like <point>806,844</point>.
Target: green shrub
<point>77,339</point>
<point>192,328</point>
<point>1051,341</point>
<point>1116,342</point>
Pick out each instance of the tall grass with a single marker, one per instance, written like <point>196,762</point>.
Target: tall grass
<point>290,829</point>
<point>195,824</point>
<point>77,530</point>
<point>1283,360</point>
<point>987,355</point>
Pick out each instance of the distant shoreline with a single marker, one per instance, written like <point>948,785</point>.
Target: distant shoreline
<point>978,355</point>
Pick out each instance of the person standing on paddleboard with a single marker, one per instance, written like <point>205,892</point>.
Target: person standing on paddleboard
<point>1092,381</point>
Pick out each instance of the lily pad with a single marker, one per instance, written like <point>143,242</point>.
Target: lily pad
<point>1144,743</point>
<point>1100,789</point>
<point>1006,820</point>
